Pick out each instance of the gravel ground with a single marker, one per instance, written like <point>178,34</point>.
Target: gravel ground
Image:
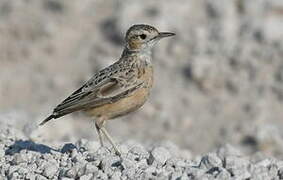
<point>22,158</point>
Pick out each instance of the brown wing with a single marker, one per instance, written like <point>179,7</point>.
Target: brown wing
<point>94,94</point>
<point>93,97</point>
<point>83,97</point>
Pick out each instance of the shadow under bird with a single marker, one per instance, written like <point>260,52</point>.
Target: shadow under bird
<point>120,88</point>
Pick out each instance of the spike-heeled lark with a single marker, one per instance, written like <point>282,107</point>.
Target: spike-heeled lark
<point>120,88</point>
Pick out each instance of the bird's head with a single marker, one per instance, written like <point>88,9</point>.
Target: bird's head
<point>142,37</point>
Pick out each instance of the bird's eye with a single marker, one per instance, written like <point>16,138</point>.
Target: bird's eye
<point>142,36</point>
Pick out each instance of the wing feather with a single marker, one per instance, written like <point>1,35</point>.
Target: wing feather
<point>109,92</point>
<point>103,88</point>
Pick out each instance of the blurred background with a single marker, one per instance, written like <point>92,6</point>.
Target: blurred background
<point>220,80</point>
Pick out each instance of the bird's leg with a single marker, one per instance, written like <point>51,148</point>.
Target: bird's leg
<point>99,134</point>
<point>99,124</point>
<point>107,135</point>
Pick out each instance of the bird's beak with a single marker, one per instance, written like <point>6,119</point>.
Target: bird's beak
<point>165,34</point>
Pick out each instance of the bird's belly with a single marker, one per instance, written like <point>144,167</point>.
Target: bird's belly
<point>122,106</point>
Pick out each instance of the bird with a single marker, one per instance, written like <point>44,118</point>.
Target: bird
<point>120,88</point>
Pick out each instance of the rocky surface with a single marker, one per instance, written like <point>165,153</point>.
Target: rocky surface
<point>23,158</point>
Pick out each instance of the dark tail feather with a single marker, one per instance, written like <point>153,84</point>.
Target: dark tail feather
<point>47,119</point>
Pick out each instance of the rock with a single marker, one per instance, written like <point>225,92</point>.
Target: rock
<point>2,152</point>
<point>19,158</point>
<point>159,155</point>
<point>109,163</point>
<point>91,146</point>
<point>75,162</point>
<point>72,172</point>
<point>65,178</point>
<point>40,177</point>
<point>31,176</point>
<point>137,153</point>
<point>90,168</point>
<point>50,170</point>
<point>86,177</point>
<point>116,175</point>
<point>210,161</point>
<point>238,166</point>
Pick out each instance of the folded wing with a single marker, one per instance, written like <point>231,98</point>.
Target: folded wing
<point>92,94</point>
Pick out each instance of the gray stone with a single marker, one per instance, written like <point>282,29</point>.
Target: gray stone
<point>195,172</point>
<point>223,174</point>
<point>238,166</point>
<point>160,155</point>
<point>260,173</point>
<point>137,153</point>
<point>2,152</point>
<point>40,177</point>
<point>91,146</point>
<point>280,173</point>
<point>19,158</point>
<point>90,168</point>
<point>86,177</point>
<point>117,175</point>
<point>50,170</point>
<point>225,163</point>
<point>72,173</point>
<point>14,175</point>
<point>65,178</point>
<point>101,175</point>
<point>12,169</point>
<point>128,163</point>
<point>150,173</point>
<point>23,170</point>
<point>31,176</point>
<point>176,175</point>
<point>109,163</point>
<point>210,161</point>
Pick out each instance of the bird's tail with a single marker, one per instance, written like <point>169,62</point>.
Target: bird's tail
<point>47,119</point>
